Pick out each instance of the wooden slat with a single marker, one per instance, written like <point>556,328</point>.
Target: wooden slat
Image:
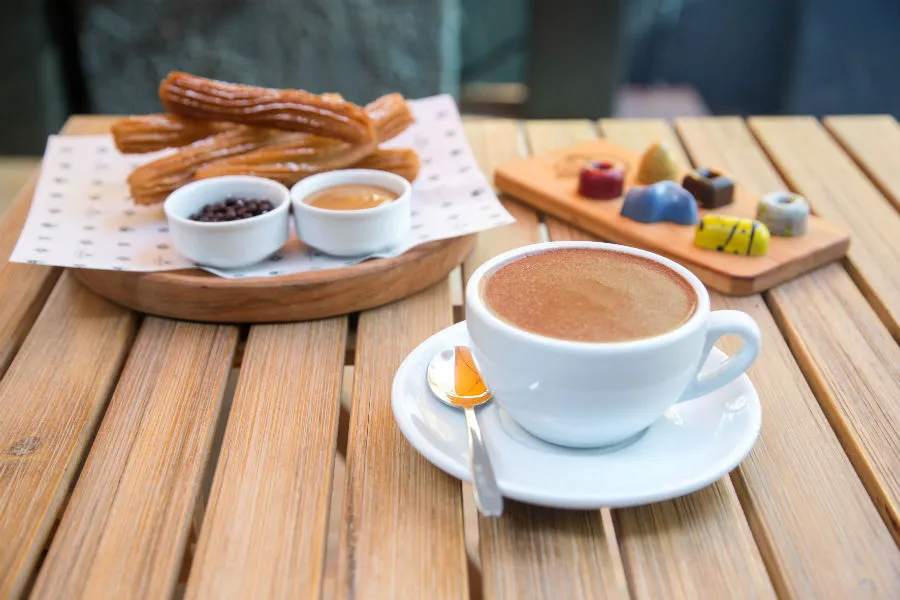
<point>874,141</point>
<point>852,369</point>
<point>638,134</point>
<point>810,510</point>
<point>26,287</point>
<point>495,141</point>
<point>124,531</point>
<point>533,552</point>
<point>665,546</point>
<point>50,402</point>
<point>813,164</point>
<point>15,171</point>
<point>544,136</point>
<point>401,526</point>
<point>264,531</point>
<point>695,547</point>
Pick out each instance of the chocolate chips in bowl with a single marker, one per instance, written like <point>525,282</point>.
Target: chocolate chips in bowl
<point>229,222</point>
<point>232,209</point>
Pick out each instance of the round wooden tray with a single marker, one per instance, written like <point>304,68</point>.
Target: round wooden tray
<point>196,295</point>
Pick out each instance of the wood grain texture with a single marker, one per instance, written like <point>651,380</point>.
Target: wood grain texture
<point>544,136</point>
<point>548,182</point>
<point>533,552</point>
<point>265,527</point>
<point>15,171</point>
<point>536,552</point>
<point>50,402</point>
<point>695,547</point>
<point>124,531</point>
<point>401,525</point>
<point>665,545</point>
<point>200,296</point>
<point>874,141</point>
<point>25,287</point>
<point>853,365</point>
<point>638,134</point>
<point>495,141</point>
<point>818,531</point>
<point>814,164</point>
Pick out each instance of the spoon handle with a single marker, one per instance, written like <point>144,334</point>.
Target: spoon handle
<point>488,498</point>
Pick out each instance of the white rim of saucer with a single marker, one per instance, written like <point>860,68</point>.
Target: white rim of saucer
<point>515,490</point>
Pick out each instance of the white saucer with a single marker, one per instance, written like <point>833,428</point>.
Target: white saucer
<point>691,446</point>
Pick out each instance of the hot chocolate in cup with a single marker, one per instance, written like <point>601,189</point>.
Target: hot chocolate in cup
<point>586,344</point>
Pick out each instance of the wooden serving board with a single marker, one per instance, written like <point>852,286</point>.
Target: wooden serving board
<point>196,295</point>
<point>549,181</point>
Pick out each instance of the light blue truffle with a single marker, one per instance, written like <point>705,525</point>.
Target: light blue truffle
<point>662,201</point>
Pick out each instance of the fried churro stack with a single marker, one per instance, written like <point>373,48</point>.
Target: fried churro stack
<point>219,128</point>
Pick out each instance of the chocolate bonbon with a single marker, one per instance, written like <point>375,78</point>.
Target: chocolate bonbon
<point>601,180</point>
<point>732,235</point>
<point>657,164</point>
<point>784,213</point>
<point>663,201</point>
<point>710,188</point>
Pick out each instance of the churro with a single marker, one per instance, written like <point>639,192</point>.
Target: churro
<point>152,182</point>
<point>400,161</point>
<point>294,110</point>
<point>390,115</point>
<point>290,162</point>
<point>149,133</point>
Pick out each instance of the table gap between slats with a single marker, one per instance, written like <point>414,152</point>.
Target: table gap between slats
<point>103,310</point>
<point>269,505</point>
<point>484,252</point>
<point>126,528</point>
<point>64,423</point>
<point>401,523</point>
<point>815,165</point>
<point>530,551</point>
<point>810,509</point>
<point>663,545</point>
<point>26,287</point>
<point>52,398</point>
<point>873,141</point>
<point>846,353</point>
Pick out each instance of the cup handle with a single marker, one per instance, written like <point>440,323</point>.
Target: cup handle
<point>721,323</point>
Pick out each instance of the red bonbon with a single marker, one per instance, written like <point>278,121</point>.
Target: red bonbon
<point>601,180</point>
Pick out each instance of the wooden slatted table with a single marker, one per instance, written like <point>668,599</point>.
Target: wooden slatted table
<point>144,458</point>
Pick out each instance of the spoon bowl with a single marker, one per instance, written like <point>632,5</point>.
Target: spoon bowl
<point>454,380</point>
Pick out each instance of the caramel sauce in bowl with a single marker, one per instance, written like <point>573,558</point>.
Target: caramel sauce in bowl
<point>353,212</point>
<point>351,196</point>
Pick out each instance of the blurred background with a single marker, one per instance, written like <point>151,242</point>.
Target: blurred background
<point>538,58</point>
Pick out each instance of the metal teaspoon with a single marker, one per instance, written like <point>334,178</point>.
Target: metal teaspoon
<point>455,381</point>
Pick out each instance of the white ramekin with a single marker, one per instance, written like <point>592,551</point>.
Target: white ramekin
<point>352,232</point>
<point>230,244</point>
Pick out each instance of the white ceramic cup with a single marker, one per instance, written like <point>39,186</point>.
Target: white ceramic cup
<point>352,232</point>
<point>229,244</point>
<point>593,394</point>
